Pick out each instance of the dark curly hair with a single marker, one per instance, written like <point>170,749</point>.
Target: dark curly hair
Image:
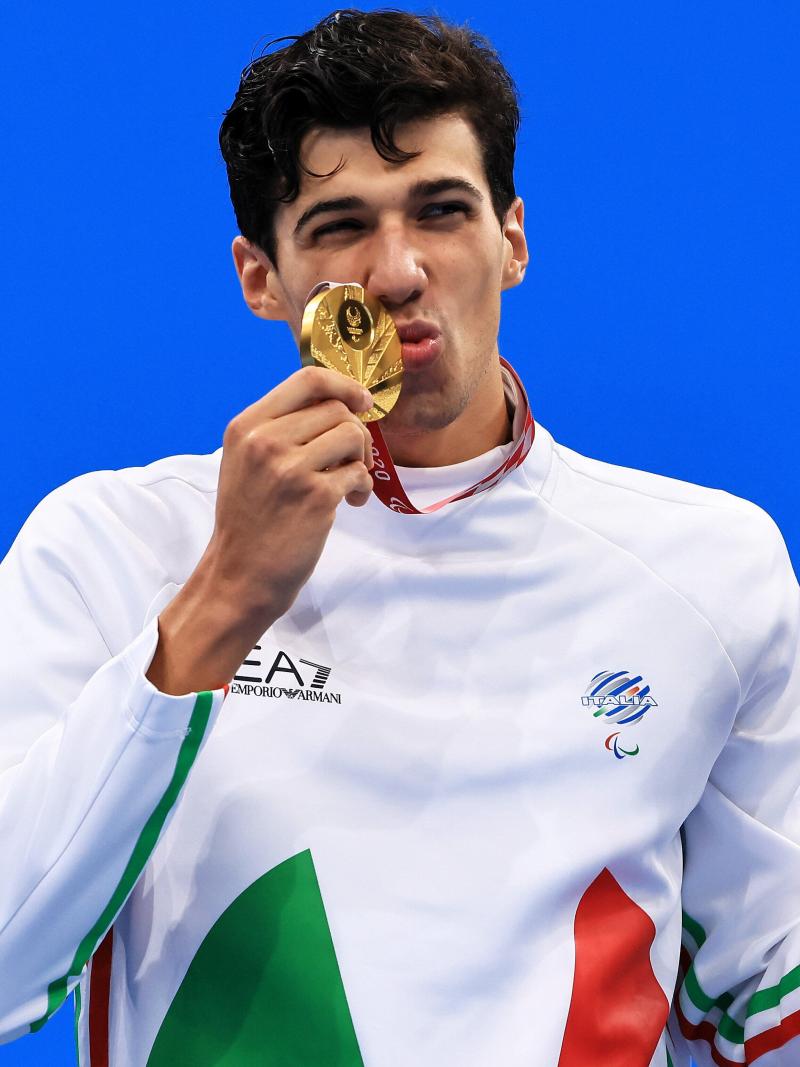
<point>375,69</point>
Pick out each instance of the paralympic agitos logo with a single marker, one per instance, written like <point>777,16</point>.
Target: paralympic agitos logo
<point>283,679</point>
<point>619,698</point>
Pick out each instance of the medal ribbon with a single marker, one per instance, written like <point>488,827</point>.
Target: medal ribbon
<point>389,489</point>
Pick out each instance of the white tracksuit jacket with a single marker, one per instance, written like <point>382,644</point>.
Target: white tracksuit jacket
<point>501,776</point>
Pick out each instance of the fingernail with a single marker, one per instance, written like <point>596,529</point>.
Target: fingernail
<point>367,399</point>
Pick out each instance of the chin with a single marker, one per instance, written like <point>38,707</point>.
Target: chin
<point>423,413</point>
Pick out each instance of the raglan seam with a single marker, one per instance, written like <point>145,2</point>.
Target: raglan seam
<point>655,496</point>
<point>695,610</point>
<point>175,478</point>
<point>66,573</point>
<point>538,490</point>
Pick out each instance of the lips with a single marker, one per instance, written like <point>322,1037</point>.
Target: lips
<point>422,343</point>
<point>412,332</point>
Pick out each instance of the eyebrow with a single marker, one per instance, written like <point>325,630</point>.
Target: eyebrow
<point>344,203</point>
<point>445,185</point>
<point>421,189</point>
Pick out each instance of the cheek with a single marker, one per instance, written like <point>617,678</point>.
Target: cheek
<point>474,268</point>
<point>482,306</point>
<point>475,281</point>
<point>345,261</point>
<point>476,319</point>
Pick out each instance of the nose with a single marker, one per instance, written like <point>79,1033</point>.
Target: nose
<point>395,273</point>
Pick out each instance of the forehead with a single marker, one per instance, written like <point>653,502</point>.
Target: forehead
<point>446,144</point>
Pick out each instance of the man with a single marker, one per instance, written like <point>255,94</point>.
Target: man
<point>472,762</point>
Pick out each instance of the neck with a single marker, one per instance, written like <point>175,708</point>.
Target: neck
<point>484,424</point>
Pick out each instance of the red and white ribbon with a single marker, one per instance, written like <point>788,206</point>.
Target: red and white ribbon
<point>389,489</point>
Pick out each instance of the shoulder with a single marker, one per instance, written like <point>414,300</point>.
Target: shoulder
<point>655,514</point>
<point>194,474</point>
<point>121,535</point>
<point>130,496</point>
<point>722,553</point>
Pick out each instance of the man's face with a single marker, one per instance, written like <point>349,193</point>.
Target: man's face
<point>422,237</point>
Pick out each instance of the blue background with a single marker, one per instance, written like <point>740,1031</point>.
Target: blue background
<point>657,328</point>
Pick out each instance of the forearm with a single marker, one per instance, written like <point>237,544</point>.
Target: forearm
<point>207,630</point>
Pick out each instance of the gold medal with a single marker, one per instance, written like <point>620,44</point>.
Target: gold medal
<point>348,331</point>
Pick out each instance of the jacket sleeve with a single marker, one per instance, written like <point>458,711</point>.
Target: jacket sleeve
<point>738,993</point>
<point>92,760</point>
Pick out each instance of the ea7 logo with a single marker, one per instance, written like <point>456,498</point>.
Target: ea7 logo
<point>282,664</point>
<point>290,682</point>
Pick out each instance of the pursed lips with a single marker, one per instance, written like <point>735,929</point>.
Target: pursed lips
<point>421,342</point>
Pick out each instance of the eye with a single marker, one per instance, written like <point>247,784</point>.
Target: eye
<point>339,226</point>
<point>443,210</point>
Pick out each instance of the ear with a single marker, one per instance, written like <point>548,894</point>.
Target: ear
<point>258,278</point>
<point>515,252</point>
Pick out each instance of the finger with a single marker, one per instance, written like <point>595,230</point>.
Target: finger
<point>369,457</point>
<point>343,444</point>
<point>300,427</point>
<point>308,386</point>
<point>351,482</point>
<point>357,498</point>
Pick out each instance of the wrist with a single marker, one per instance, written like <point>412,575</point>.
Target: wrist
<point>243,600</point>
<point>206,632</point>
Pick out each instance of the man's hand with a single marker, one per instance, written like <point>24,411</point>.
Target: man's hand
<point>287,463</point>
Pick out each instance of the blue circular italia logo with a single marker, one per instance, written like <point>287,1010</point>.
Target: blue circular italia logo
<point>621,699</point>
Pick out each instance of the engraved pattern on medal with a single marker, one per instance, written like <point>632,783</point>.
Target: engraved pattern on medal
<point>382,381</point>
<point>382,339</point>
<point>320,357</point>
<point>327,325</point>
<point>390,372</point>
<point>382,405</point>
